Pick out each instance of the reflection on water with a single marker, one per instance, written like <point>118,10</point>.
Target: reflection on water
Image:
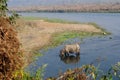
<point>70,59</point>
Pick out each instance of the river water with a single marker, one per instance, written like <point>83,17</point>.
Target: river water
<point>97,50</point>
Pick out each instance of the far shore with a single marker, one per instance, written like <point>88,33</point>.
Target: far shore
<point>37,34</point>
<point>88,7</point>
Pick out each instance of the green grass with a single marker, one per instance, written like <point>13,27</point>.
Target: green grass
<point>59,38</point>
<point>60,21</point>
<point>31,18</point>
<point>53,20</point>
<point>36,55</point>
<point>23,75</point>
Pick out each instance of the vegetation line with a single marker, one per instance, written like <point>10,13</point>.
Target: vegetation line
<point>53,20</point>
<point>59,38</point>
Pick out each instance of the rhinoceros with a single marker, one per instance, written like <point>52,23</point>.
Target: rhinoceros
<point>70,49</point>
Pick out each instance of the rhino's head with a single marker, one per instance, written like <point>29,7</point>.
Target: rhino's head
<point>62,52</point>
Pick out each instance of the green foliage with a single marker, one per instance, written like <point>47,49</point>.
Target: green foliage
<point>90,72</point>
<point>39,74</point>
<point>3,7</point>
<point>4,10</point>
<point>114,71</point>
<point>22,75</point>
<point>13,17</point>
<point>36,55</point>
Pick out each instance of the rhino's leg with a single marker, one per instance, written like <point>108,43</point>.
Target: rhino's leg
<point>66,54</point>
<point>78,52</point>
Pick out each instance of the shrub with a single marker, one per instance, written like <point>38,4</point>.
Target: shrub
<point>10,54</point>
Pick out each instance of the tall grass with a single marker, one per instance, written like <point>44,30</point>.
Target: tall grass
<point>22,75</point>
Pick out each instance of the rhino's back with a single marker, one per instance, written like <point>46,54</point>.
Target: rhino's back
<point>72,47</point>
